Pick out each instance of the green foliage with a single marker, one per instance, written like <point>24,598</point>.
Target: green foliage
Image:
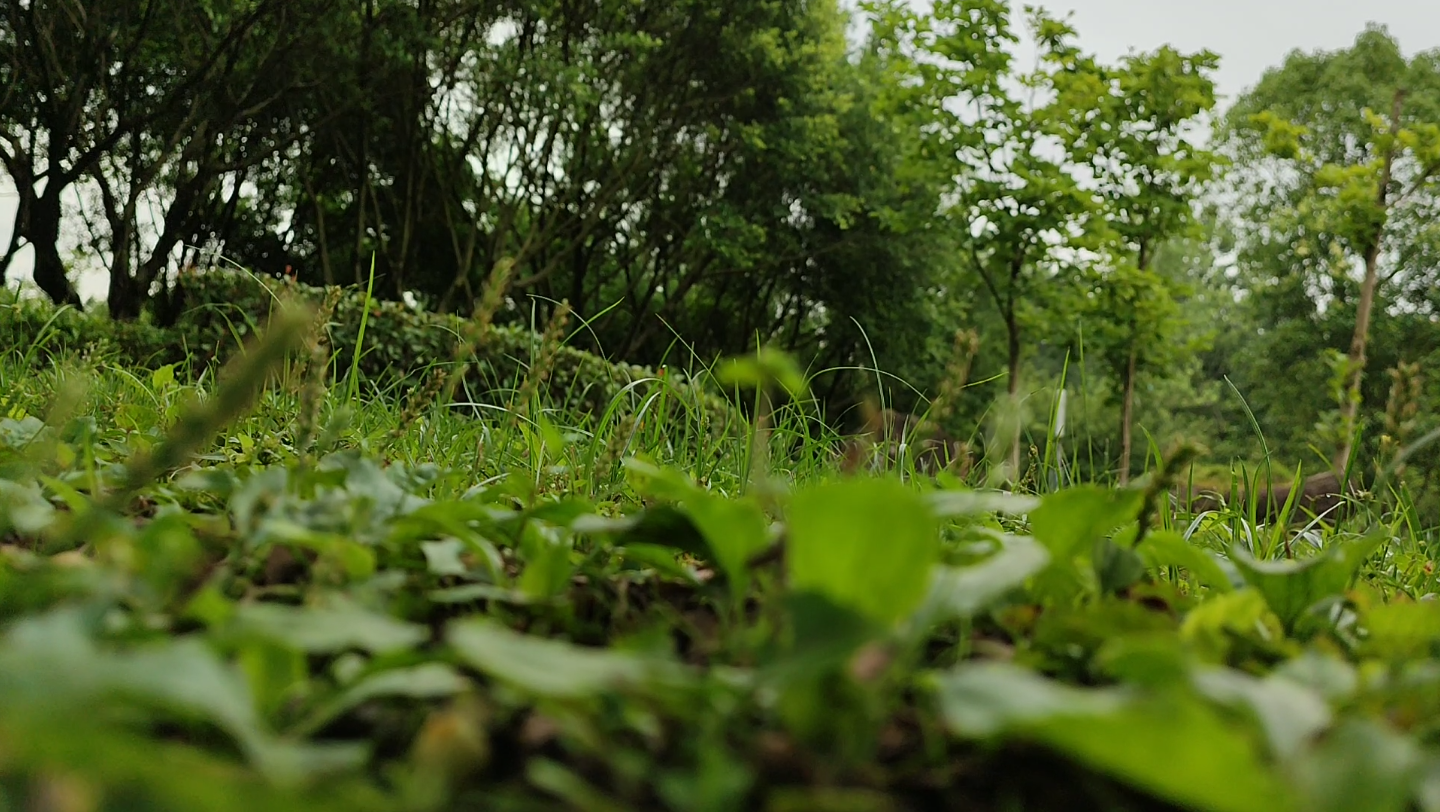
<point>678,172</point>
<point>326,629</point>
<point>218,311</point>
<point>1335,152</point>
<point>201,98</point>
<point>1012,208</point>
<point>1170,745</point>
<point>245,562</point>
<point>831,548</point>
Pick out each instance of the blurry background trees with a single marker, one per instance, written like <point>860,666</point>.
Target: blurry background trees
<point>697,178</point>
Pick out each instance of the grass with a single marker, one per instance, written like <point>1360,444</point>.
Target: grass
<point>315,594</point>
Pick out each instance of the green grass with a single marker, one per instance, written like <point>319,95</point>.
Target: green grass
<point>322,594</point>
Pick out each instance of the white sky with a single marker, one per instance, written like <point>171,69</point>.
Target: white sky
<point>1249,36</point>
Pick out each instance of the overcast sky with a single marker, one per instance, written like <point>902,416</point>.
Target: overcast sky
<point>1249,36</point>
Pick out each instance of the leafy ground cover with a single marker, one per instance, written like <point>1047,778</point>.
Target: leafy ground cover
<point>257,589</point>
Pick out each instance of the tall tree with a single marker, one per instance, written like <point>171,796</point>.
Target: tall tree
<point>127,94</point>
<point>1340,147</point>
<point>718,172</point>
<point>1014,144</point>
<point>1135,324</point>
<point>1150,175</point>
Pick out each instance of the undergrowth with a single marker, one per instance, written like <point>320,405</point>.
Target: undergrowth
<point>253,588</point>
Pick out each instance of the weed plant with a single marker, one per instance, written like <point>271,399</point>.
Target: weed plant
<point>254,588</point>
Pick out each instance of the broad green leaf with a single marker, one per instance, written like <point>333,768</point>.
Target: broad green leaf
<point>443,557</point>
<point>171,775</point>
<point>1428,791</point>
<point>1172,747</point>
<point>469,593</point>
<point>1402,630</point>
<point>576,792</point>
<point>987,699</point>
<point>1360,765</point>
<point>552,668</point>
<point>453,523</point>
<point>165,553</point>
<point>23,509</point>
<point>49,665</point>
<point>1071,520</point>
<point>1116,567</point>
<point>948,503</point>
<point>1167,548</point>
<point>548,567</point>
<point>425,681</point>
<point>1178,750</point>
<point>1153,660</point>
<point>1292,587</point>
<point>665,525</point>
<point>735,529</point>
<point>560,512</point>
<point>218,481</point>
<point>17,434</point>
<point>335,626</point>
<point>719,782</point>
<point>958,592</point>
<point>551,436</point>
<point>1327,675</point>
<point>163,378</point>
<point>355,559</point>
<point>826,634</point>
<point>870,544</point>
<point>76,501</point>
<point>368,484</point>
<point>658,481</point>
<point>1290,713</point>
<point>1215,624</point>
<point>768,366</point>
<point>276,673</point>
<point>659,558</point>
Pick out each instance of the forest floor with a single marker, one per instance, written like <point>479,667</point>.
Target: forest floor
<point>233,595</point>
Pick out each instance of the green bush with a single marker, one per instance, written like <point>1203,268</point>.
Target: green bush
<point>212,314</point>
<point>45,334</point>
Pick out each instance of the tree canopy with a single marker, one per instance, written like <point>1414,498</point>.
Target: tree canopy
<point>696,179</point>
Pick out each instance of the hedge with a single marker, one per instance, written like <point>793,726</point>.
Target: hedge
<point>216,311</point>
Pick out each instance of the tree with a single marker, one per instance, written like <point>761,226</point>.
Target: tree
<point>1150,175</point>
<point>1016,147</point>
<point>1136,323</point>
<point>130,95</point>
<point>720,173</point>
<point>1342,146</point>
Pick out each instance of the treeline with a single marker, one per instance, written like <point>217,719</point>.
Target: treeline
<point>694,178</point>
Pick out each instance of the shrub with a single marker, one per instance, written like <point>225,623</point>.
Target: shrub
<point>46,334</point>
<point>211,314</point>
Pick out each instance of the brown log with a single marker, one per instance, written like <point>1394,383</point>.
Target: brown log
<point>892,434</point>
<point>1320,495</point>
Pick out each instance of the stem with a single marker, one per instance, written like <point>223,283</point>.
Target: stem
<point>1127,412</point>
<point>1350,407</point>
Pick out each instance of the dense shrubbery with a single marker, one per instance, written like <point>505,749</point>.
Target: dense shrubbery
<point>211,315</point>
<point>204,609</point>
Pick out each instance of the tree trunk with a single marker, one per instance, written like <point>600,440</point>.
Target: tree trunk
<point>179,217</point>
<point>1127,412</point>
<point>126,298</point>
<point>43,233</point>
<point>1359,343</point>
<point>1012,328</point>
<point>123,299</point>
